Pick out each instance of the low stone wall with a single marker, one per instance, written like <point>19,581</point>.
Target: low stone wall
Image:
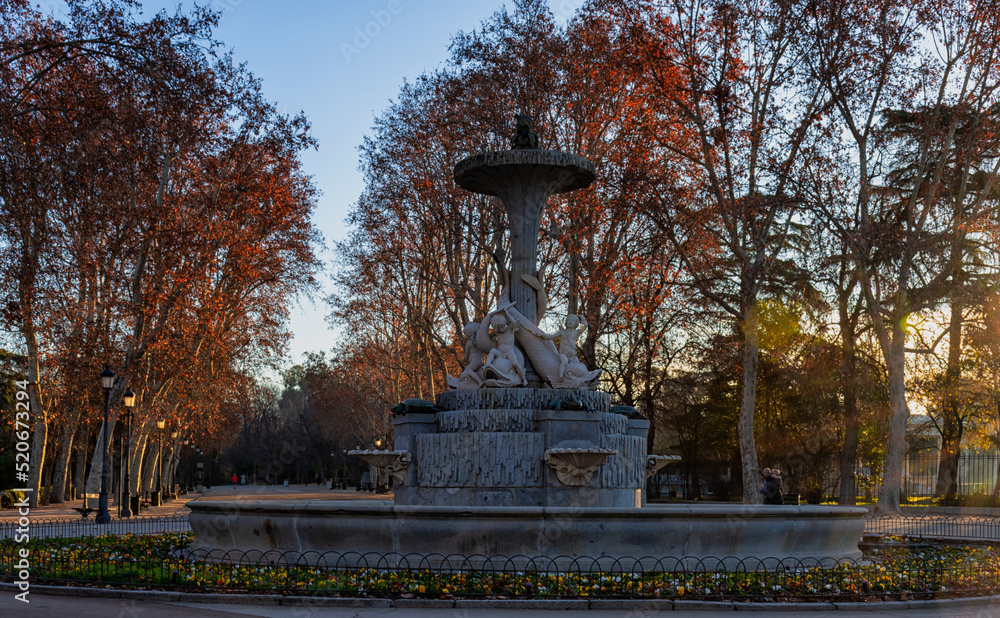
<point>691,532</point>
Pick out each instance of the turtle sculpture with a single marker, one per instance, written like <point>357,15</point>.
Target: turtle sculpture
<point>419,406</point>
<point>627,411</point>
<point>570,402</point>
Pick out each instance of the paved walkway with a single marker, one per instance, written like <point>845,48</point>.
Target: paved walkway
<point>221,492</point>
<point>44,601</point>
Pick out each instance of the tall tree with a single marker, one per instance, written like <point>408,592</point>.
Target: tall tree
<point>735,120</point>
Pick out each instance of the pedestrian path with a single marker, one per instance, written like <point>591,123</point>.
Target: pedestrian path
<point>178,506</point>
<point>61,520</point>
<point>65,510</point>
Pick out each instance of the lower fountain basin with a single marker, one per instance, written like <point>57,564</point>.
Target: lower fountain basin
<point>565,535</point>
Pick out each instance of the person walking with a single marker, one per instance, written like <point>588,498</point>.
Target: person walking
<point>236,480</point>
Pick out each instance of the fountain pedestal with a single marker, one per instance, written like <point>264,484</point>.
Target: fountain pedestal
<point>488,448</point>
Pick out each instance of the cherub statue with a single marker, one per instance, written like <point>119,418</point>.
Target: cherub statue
<point>471,377</point>
<point>504,364</point>
<point>575,324</point>
<point>525,137</point>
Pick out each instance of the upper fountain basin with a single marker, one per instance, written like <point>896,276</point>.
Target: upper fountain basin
<point>487,172</point>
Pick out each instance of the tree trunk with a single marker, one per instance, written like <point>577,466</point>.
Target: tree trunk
<point>97,461</point>
<point>892,472</point>
<point>849,453</point>
<point>748,449</point>
<point>38,416</point>
<point>81,470</point>
<point>147,482</point>
<point>68,432</point>
<point>951,451</point>
<point>650,401</point>
<point>951,408</point>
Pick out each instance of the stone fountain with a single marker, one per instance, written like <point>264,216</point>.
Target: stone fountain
<point>522,457</point>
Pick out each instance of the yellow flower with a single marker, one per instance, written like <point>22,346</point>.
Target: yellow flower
<point>680,590</point>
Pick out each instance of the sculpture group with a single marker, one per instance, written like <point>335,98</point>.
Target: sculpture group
<point>492,359</point>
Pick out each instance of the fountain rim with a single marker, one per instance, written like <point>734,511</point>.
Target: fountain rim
<point>477,173</point>
<point>647,512</point>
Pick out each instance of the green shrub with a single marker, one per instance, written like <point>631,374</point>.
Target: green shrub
<point>10,497</point>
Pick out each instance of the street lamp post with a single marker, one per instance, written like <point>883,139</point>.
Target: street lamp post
<point>107,382</point>
<point>160,424</point>
<point>129,398</point>
<point>378,471</point>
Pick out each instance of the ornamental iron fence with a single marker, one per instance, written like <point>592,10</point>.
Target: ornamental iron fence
<point>935,526</point>
<point>41,528</point>
<point>977,480</point>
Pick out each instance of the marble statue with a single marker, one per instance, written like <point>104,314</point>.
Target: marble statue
<point>472,376</point>
<point>567,340</point>
<point>504,365</point>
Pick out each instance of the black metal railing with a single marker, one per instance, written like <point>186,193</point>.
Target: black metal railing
<point>41,528</point>
<point>935,526</point>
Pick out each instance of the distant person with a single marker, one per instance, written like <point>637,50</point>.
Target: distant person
<point>243,480</point>
<point>318,479</point>
<point>236,480</point>
<point>778,498</point>
<point>770,488</point>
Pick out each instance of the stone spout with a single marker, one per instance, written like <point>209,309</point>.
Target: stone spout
<point>655,462</point>
<point>395,463</point>
<point>576,466</point>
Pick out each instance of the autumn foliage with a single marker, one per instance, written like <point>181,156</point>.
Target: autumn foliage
<point>154,218</point>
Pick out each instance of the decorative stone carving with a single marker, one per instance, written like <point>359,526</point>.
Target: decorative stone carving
<point>570,402</point>
<point>480,459</point>
<point>504,365</point>
<point>394,463</point>
<point>576,466</point>
<point>518,398</point>
<point>627,464</point>
<point>559,370</point>
<point>655,462</point>
<point>536,283</point>
<point>486,420</point>
<point>472,376</point>
<point>627,412</point>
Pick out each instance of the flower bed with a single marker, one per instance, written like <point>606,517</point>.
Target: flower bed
<point>161,562</point>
